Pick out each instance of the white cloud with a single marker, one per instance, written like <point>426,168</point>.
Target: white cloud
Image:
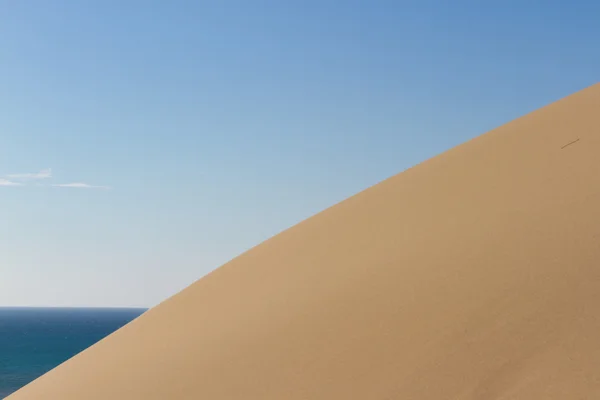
<point>79,185</point>
<point>43,174</point>
<point>6,182</point>
<point>26,178</point>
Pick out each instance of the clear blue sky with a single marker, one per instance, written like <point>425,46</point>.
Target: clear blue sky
<point>217,124</point>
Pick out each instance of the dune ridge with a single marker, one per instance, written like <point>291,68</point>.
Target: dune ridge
<point>473,275</point>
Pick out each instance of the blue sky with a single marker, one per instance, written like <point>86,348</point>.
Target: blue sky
<point>210,126</point>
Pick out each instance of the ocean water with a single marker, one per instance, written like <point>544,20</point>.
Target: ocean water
<point>35,340</point>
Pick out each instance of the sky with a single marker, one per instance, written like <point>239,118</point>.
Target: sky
<point>145,143</point>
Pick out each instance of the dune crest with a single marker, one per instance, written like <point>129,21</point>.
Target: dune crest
<point>473,275</point>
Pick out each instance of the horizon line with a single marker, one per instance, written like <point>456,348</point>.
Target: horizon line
<point>76,307</point>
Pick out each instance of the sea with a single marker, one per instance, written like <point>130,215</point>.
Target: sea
<point>35,340</point>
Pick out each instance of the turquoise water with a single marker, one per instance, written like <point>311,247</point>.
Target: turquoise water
<point>35,340</point>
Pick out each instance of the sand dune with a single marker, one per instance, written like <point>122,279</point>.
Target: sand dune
<point>474,275</point>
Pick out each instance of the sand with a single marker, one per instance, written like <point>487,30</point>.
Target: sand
<point>473,275</point>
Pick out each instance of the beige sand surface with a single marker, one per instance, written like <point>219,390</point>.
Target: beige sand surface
<point>474,275</point>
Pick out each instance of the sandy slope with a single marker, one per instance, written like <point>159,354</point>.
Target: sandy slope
<point>474,275</point>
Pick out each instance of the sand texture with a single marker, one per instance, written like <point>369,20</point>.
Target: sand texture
<point>473,275</point>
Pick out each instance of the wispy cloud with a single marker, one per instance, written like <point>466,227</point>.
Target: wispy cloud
<point>25,179</point>
<point>43,174</point>
<point>6,182</point>
<point>79,185</point>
